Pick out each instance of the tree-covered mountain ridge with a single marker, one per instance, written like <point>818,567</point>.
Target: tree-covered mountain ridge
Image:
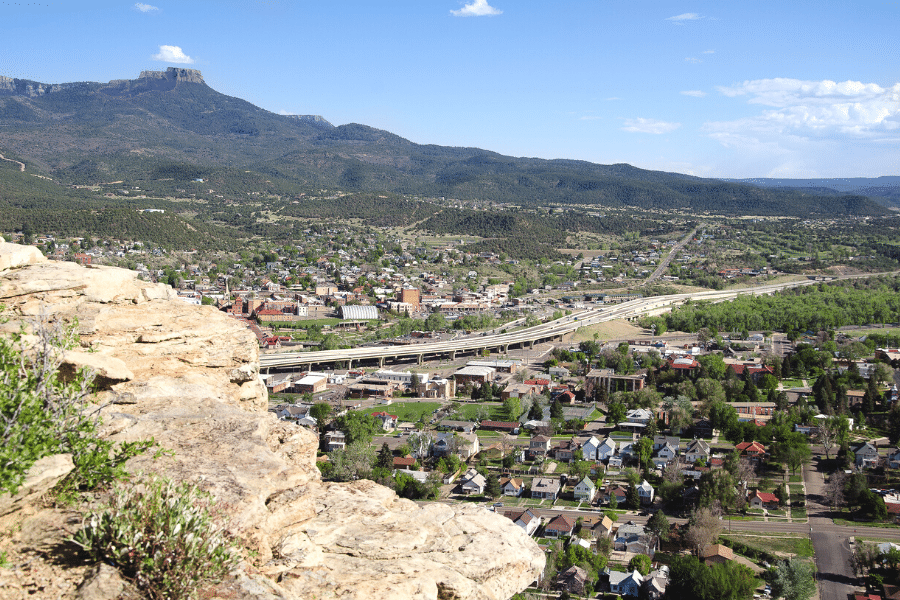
<point>86,133</point>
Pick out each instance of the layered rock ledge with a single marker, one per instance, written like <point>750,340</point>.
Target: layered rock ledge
<point>189,377</point>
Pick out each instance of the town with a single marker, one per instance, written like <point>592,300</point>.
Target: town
<point>627,460</point>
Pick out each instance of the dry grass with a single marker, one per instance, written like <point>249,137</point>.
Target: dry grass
<point>612,330</point>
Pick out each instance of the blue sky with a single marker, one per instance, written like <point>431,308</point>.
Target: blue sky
<point>717,89</point>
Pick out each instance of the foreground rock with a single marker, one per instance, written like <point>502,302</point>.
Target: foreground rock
<point>188,376</point>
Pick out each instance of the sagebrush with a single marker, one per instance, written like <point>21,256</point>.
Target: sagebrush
<point>163,536</point>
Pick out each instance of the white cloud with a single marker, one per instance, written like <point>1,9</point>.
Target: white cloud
<point>683,18</point>
<point>641,125</point>
<point>693,60</point>
<point>709,52</point>
<point>173,54</point>
<point>817,108</point>
<point>814,128</point>
<point>694,93</point>
<point>476,8</point>
<point>145,7</point>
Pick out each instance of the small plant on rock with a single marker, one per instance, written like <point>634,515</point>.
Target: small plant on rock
<point>163,536</point>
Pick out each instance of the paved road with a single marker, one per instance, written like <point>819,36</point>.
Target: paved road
<point>668,259</point>
<point>831,542</point>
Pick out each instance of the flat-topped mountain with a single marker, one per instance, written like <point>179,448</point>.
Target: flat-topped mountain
<point>87,133</point>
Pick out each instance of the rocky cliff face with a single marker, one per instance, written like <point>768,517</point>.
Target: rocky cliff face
<point>146,81</point>
<point>188,376</point>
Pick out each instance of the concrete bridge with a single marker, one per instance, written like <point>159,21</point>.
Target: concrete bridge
<point>553,330</point>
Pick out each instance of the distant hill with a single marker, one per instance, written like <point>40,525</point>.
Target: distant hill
<point>884,190</point>
<point>171,125</point>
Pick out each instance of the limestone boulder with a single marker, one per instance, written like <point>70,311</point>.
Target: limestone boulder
<point>14,255</point>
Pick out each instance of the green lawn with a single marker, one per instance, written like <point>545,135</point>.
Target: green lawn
<point>773,542</point>
<point>791,383</point>
<point>798,513</point>
<point>408,411</point>
<point>847,523</point>
<point>469,412</point>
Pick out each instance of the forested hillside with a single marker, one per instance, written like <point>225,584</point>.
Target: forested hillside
<point>134,130</point>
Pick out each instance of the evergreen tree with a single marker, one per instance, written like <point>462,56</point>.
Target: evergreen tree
<point>556,410</point>
<point>492,487</point>
<point>385,458</point>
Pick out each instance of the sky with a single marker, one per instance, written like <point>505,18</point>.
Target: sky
<point>716,89</point>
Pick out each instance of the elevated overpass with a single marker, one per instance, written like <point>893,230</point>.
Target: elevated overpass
<point>553,330</point>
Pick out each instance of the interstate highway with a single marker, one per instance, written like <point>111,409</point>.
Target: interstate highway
<point>547,331</point>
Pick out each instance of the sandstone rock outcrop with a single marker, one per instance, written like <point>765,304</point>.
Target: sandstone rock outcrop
<point>188,376</point>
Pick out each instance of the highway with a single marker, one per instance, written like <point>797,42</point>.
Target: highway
<point>671,255</point>
<point>553,330</point>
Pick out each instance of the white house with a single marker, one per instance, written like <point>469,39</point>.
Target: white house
<point>639,415</point>
<point>695,450</point>
<point>625,584</point>
<point>473,483</point>
<point>589,449</point>
<point>511,486</point>
<point>585,490</point>
<point>606,449</point>
<point>866,456</point>
<point>893,459</point>
<point>525,519</point>
<point>645,492</point>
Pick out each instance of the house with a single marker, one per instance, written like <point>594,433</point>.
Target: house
<point>603,527</point>
<point>893,459</point>
<point>404,462</point>
<point>545,487</point>
<point>665,454</point>
<point>605,449</point>
<point>655,583</point>
<point>558,372</point>
<point>445,444</point>
<point>507,426</point>
<point>335,440</point>
<point>538,446</point>
<point>639,415</point>
<point>645,492</point>
<point>659,441</point>
<point>626,451</point>
<point>585,490</point>
<point>560,526</point>
<point>565,451</point>
<point>590,449</point>
<point>866,455</point>
<point>473,483</point>
<point>717,554</point>
<point>751,450</point>
<point>703,428</point>
<point>512,487</point>
<point>467,445</point>
<point>631,537</point>
<point>618,491</point>
<point>762,500</point>
<point>696,450</point>
<point>625,584</point>
<point>524,518</point>
<point>572,580</point>
<point>388,421</point>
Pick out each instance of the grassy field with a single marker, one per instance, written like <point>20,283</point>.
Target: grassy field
<point>408,411</point>
<point>469,412</point>
<point>773,542</point>
<point>612,330</point>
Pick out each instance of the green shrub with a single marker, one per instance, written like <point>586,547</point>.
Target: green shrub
<point>162,535</point>
<point>41,414</point>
